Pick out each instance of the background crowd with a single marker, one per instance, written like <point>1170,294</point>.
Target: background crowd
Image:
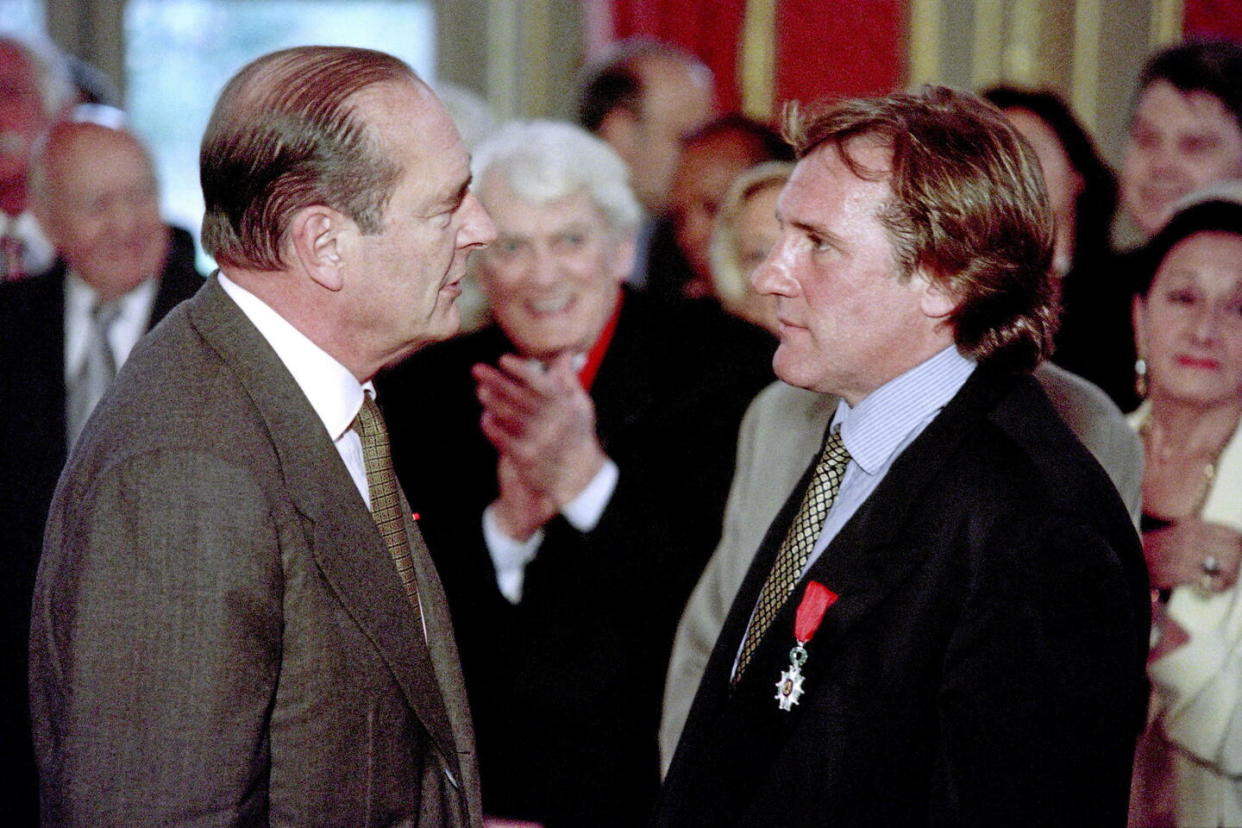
<point>620,288</point>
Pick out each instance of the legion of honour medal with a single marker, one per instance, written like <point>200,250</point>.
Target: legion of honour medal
<point>816,599</point>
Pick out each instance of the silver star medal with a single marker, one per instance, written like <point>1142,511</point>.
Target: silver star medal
<point>789,686</point>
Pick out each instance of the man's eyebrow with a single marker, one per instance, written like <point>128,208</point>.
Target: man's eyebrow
<point>459,196</point>
<point>818,231</point>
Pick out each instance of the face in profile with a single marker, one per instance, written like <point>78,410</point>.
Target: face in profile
<point>100,207</point>
<point>1179,142</point>
<point>756,231</point>
<point>703,177</point>
<point>402,282</point>
<point>1189,326</point>
<point>848,321</point>
<point>553,275</point>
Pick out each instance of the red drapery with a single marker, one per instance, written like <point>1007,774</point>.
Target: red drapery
<point>823,47</point>
<point>1213,18</point>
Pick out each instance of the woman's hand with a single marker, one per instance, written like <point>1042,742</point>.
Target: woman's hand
<point>1193,552</point>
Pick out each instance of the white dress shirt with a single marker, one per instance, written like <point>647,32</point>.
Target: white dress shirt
<point>332,391</point>
<point>131,322</point>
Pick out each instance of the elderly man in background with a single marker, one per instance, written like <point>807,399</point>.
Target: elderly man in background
<point>34,91</point>
<point>947,621</point>
<point>570,478</point>
<point>235,620</point>
<point>119,271</point>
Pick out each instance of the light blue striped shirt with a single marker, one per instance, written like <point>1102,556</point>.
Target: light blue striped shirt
<point>882,425</point>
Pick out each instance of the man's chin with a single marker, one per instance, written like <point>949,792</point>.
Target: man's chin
<point>447,320</point>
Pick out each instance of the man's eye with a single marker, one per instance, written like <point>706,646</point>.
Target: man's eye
<point>1197,145</point>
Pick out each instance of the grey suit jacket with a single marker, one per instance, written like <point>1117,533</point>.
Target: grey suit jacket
<point>219,634</point>
<point>782,432</point>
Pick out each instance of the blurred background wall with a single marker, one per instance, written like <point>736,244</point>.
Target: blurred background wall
<point>167,58</point>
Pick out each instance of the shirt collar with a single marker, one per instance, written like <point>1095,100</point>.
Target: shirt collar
<point>333,392</point>
<point>134,312</point>
<point>883,419</point>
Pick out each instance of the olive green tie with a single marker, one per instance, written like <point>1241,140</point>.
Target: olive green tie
<point>796,549</point>
<point>385,498</point>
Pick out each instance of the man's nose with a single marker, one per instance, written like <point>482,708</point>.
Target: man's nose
<point>478,229</point>
<point>771,276</point>
<point>542,269</point>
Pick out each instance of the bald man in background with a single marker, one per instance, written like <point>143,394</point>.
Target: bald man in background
<point>93,190</point>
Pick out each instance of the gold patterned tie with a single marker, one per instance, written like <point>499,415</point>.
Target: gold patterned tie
<point>385,499</point>
<point>796,549</point>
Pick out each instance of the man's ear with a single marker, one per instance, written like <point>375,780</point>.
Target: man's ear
<point>937,301</point>
<point>316,236</point>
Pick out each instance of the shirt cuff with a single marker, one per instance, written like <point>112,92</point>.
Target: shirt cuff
<point>509,556</point>
<point>585,510</point>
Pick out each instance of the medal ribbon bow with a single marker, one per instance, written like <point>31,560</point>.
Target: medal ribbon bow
<point>815,602</point>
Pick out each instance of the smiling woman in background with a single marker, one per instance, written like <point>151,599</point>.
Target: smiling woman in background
<point>1188,330</point>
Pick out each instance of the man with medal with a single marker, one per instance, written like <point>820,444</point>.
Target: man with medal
<point>946,623</point>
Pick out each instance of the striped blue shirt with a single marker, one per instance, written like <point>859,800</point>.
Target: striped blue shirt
<point>879,428</point>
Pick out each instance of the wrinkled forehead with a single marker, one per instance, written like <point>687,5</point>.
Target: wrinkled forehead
<point>859,164</point>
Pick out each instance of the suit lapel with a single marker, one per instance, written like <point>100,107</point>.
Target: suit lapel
<point>346,544</point>
<point>714,690</point>
<point>622,392</point>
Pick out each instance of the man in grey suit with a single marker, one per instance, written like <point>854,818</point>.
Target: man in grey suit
<point>220,635</point>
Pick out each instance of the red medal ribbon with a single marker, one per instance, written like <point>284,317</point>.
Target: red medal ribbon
<point>815,602</point>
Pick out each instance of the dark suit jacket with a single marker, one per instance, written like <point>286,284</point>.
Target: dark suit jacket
<point>983,666</point>
<point>32,453</point>
<point>219,634</point>
<point>565,685</point>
